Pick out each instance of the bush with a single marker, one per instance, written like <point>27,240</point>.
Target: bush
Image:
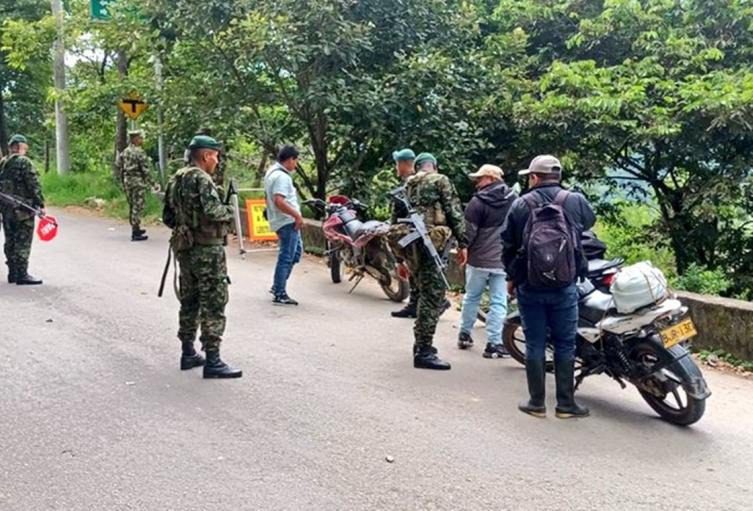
<point>76,188</point>
<point>697,279</point>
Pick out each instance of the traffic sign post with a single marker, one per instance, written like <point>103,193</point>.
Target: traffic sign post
<point>133,106</point>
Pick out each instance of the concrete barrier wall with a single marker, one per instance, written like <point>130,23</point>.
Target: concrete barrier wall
<point>722,323</point>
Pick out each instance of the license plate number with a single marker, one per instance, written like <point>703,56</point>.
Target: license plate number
<point>678,333</point>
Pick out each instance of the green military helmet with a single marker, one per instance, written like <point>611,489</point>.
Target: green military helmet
<point>425,157</point>
<point>17,139</point>
<point>204,142</point>
<point>404,155</point>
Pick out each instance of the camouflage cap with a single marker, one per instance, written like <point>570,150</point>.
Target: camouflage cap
<point>424,157</point>
<point>17,139</point>
<point>404,155</point>
<point>543,164</point>
<point>204,142</point>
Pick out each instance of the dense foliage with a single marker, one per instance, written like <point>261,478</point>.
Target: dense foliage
<point>647,101</point>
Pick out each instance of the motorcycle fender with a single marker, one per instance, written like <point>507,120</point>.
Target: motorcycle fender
<point>695,384</point>
<point>514,318</point>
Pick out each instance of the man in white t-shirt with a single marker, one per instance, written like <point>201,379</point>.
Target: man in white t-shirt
<point>284,215</point>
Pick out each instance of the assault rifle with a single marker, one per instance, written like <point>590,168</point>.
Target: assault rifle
<point>12,201</point>
<point>419,232</point>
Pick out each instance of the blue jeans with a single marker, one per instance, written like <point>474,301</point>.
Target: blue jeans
<point>291,249</point>
<point>476,280</point>
<point>549,314</point>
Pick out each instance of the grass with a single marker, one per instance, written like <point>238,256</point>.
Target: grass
<point>79,189</point>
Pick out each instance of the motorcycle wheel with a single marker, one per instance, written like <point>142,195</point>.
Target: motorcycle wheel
<point>335,266</point>
<point>394,287</point>
<point>514,340</point>
<point>673,407</point>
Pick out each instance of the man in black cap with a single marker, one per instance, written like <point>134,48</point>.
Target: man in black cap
<point>543,257</point>
<point>19,179</point>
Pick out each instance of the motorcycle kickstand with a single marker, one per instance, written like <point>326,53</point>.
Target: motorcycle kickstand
<point>358,281</point>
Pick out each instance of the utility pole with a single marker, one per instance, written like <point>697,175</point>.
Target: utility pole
<point>61,121</point>
<point>160,119</point>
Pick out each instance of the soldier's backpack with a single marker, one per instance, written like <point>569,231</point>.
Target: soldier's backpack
<point>550,243</point>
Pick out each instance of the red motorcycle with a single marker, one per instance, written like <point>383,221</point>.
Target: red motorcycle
<point>359,246</point>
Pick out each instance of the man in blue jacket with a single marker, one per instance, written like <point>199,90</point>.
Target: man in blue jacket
<point>549,312</point>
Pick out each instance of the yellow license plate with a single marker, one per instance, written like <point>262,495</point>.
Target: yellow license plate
<point>682,331</point>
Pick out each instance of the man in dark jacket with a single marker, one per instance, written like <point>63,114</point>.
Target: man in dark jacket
<point>484,217</point>
<point>547,312</point>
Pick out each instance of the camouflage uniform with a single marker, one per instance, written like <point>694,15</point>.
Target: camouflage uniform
<point>136,181</point>
<point>200,222</point>
<point>433,196</point>
<point>19,178</point>
<point>399,211</point>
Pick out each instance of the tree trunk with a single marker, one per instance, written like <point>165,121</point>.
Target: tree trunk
<point>121,127</point>
<point>3,129</point>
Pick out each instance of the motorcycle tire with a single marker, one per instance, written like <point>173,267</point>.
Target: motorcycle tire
<point>514,340</point>
<point>395,288</point>
<point>684,369</point>
<point>335,267</point>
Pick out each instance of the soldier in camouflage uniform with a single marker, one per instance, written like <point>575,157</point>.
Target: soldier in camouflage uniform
<point>136,181</point>
<point>434,197</point>
<point>404,165</point>
<point>200,222</point>
<point>19,179</point>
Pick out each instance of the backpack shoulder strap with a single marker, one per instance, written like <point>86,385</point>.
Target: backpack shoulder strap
<point>530,201</point>
<point>561,197</point>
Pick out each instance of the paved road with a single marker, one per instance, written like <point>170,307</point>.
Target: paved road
<point>95,415</point>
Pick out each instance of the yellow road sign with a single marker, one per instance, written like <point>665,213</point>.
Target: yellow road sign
<point>133,106</point>
<point>258,226</point>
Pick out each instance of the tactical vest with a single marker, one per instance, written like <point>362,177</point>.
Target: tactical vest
<point>192,227</point>
<point>425,198</point>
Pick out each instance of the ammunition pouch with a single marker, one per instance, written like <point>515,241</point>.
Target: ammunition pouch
<point>182,238</point>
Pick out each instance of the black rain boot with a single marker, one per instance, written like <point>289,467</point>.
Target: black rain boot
<point>216,368</point>
<point>189,358</point>
<point>564,373</point>
<point>536,376</point>
<point>409,311</point>
<point>426,358</point>
<point>138,234</point>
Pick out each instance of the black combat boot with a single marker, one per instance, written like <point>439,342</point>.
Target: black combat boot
<point>536,375</point>
<point>425,357</point>
<point>409,311</point>
<point>189,358</point>
<point>12,274</point>
<point>564,373</point>
<point>214,367</point>
<point>138,234</point>
<point>24,279</point>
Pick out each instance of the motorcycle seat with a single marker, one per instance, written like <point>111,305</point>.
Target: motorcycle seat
<point>368,226</point>
<point>594,306</point>
<point>598,266</point>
